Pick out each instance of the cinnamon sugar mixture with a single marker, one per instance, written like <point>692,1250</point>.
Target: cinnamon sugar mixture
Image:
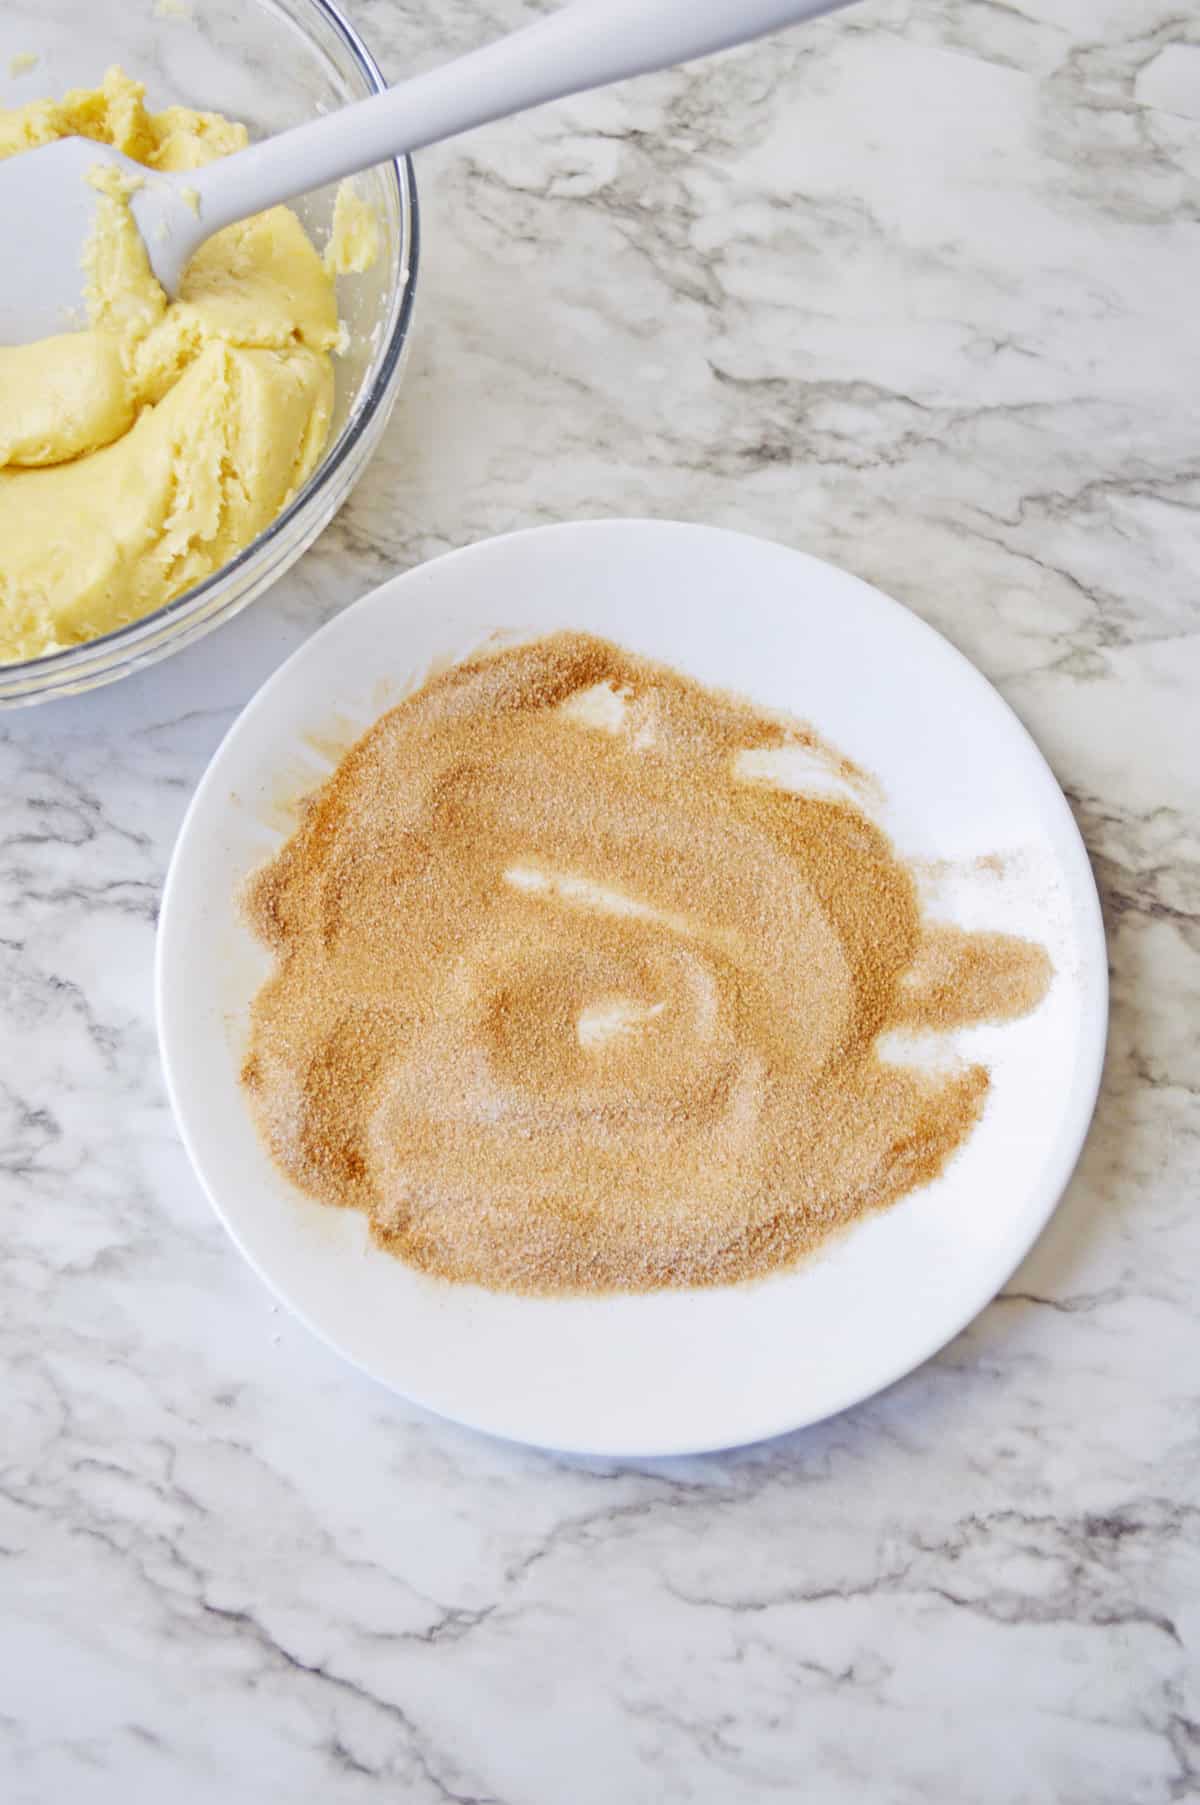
<point>564,1003</point>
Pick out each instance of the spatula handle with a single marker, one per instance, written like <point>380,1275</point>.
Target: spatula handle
<point>584,45</point>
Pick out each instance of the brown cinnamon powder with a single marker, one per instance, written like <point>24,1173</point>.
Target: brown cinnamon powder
<point>564,1002</point>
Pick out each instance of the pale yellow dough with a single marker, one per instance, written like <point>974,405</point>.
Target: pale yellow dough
<point>138,456</point>
<point>354,240</point>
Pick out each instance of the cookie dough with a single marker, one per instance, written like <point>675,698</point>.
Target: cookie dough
<point>354,238</point>
<point>138,456</point>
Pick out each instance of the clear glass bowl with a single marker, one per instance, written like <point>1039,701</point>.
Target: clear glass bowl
<point>271,64</point>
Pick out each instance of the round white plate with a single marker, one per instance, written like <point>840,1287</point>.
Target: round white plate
<point>672,1372</point>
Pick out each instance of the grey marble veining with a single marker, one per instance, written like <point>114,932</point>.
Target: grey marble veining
<point>914,289</point>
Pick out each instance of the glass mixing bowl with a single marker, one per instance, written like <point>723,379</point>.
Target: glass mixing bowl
<point>271,64</point>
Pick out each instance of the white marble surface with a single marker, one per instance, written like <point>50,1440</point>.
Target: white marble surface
<point>915,290</point>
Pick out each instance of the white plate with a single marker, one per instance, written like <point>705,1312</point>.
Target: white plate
<point>675,1371</point>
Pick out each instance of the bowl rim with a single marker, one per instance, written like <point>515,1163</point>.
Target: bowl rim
<point>99,650</point>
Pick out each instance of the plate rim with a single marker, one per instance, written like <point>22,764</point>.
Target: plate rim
<point>1090,1060</point>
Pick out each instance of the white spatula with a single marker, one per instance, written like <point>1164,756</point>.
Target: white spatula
<point>47,200</point>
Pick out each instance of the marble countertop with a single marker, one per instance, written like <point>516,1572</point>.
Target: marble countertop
<point>915,289</point>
